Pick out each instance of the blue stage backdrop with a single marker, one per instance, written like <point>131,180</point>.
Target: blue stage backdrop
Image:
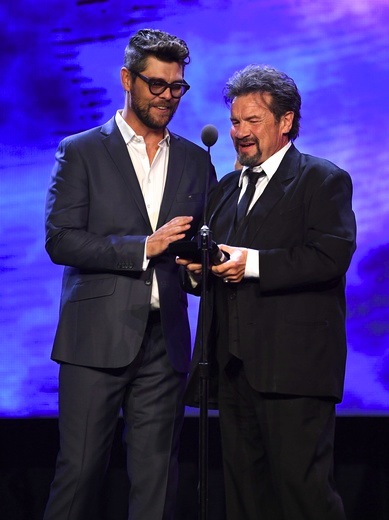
<point>60,65</point>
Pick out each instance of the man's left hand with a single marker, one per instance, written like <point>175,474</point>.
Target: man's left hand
<point>233,270</point>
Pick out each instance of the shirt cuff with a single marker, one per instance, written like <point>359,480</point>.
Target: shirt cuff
<point>146,260</point>
<point>252,264</point>
<point>194,279</point>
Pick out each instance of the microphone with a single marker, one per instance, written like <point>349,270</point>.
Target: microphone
<point>209,135</point>
<point>216,255</point>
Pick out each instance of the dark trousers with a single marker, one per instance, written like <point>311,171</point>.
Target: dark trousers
<point>149,393</point>
<point>277,453</point>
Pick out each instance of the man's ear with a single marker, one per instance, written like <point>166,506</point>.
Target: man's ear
<point>287,122</point>
<point>125,77</point>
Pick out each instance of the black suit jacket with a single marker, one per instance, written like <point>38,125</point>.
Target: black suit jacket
<point>290,323</point>
<point>96,225</point>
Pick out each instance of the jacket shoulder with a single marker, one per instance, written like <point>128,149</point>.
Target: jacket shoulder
<point>319,164</point>
<point>178,140</point>
<point>230,177</point>
<point>91,133</point>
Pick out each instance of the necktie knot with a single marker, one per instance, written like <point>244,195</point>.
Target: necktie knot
<point>254,176</point>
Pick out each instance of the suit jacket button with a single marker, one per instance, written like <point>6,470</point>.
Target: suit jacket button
<point>148,282</point>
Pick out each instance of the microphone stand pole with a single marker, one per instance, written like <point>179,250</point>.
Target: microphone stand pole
<point>209,136</point>
<point>204,244</point>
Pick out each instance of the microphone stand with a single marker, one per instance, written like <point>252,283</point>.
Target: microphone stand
<point>209,137</point>
<point>204,244</point>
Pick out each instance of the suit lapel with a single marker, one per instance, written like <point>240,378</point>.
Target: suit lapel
<point>118,152</point>
<point>223,214</point>
<point>230,192</point>
<point>175,170</point>
<point>272,194</point>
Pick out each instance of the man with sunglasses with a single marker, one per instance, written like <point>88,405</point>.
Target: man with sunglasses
<point>119,195</point>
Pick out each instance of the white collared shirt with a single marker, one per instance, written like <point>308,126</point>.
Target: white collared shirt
<point>270,167</point>
<point>151,177</point>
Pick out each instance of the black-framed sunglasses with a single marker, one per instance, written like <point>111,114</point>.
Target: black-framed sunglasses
<point>158,86</point>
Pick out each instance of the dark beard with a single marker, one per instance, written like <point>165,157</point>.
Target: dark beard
<point>249,160</point>
<point>143,114</point>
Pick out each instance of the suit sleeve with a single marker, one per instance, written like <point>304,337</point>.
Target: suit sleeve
<point>69,240</point>
<point>324,243</point>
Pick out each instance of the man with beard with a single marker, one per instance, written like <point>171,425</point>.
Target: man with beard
<point>119,195</point>
<point>277,308</point>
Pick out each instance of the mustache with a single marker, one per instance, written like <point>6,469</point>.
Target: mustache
<point>165,104</point>
<point>246,140</point>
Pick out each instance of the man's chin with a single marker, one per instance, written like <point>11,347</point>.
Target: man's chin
<point>162,121</point>
<point>154,121</point>
<point>248,160</point>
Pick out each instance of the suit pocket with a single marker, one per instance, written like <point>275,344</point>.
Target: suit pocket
<point>84,290</point>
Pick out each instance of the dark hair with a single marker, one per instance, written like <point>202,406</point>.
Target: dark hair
<point>262,78</point>
<point>151,42</point>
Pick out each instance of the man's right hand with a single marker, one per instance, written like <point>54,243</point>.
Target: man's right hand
<point>173,230</point>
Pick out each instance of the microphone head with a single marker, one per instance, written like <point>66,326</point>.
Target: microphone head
<point>209,135</point>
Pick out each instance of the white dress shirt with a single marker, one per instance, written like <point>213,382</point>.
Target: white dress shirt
<point>151,177</point>
<point>270,167</point>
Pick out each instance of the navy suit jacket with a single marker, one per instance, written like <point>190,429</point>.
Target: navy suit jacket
<point>290,323</point>
<point>96,225</point>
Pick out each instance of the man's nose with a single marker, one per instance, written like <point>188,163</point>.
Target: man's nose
<point>166,94</point>
<point>241,131</point>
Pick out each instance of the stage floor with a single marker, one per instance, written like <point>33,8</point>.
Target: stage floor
<point>29,448</point>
